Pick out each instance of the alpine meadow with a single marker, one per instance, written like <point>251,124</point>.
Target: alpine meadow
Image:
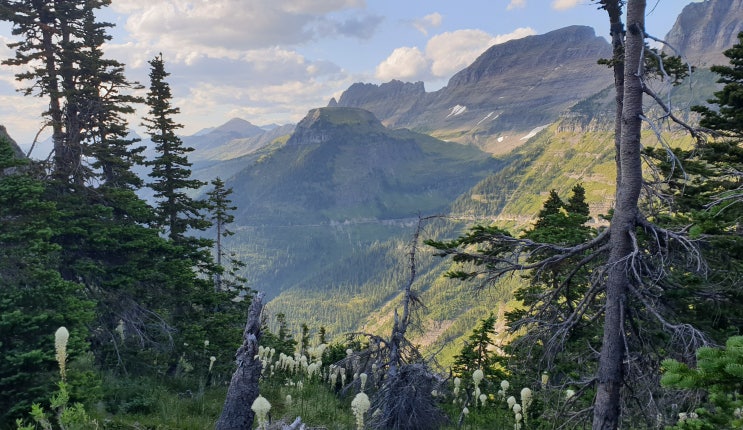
<point>551,240</point>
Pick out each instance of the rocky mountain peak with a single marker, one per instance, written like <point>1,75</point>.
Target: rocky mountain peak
<point>323,124</point>
<point>705,29</point>
<point>565,45</point>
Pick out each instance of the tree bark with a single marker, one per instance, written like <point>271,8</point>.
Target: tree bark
<point>611,369</point>
<point>243,390</point>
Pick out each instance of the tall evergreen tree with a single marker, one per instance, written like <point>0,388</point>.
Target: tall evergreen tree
<point>171,173</point>
<point>60,51</point>
<point>220,214</point>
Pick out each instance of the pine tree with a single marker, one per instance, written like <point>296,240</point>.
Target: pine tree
<point>220,214</point>
<point>177,211</point>
<point>480,352</point>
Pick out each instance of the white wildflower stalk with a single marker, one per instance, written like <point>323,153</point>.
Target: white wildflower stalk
<point>359,406</point>
<point>212,359</point>
<point>261,406</point>
<point>526,399</point>
<point>363,378</point>
<point>504,386</point>
<point>477,377</point>
<point>483,399</point>
<point>61,336</point>
<point>511,401</point>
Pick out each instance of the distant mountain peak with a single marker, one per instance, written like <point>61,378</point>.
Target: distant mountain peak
<point>237,125</point>
<point>323,124</point>
<point>705,29</point>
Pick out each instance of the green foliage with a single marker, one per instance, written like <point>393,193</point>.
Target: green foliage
<point>480,352</point>
<point>34,300</point>
<point>727,119</point>
<point>176,211</point>
<point>719,373</point>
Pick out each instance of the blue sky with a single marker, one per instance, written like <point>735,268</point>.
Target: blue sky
<point>269,61</point>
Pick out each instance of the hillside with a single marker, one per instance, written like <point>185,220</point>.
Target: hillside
<point>339,184</point>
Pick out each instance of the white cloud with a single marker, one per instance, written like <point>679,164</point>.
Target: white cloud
<point>445,54</point>
<point>516,4</point>
<point>429,21</point>
<point>189,29</point>
<point>404,63</point>
<point>565,4</point>
<point>452,51</point>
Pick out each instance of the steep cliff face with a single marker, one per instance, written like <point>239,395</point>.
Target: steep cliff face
<point>510,90</point>
<point>703,30</point>
<point>388,101</point>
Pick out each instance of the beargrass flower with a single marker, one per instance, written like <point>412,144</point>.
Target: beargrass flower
<point>483,399</point>
<point>504,385</point>
<point>477,376</point>
<point>363,377</point>
<point>465,411</point>
<point>212,359</point>
<point>516,408</point>
<point>526,399</point>
<point>511,401</point>
<point>359,406</point>
<point>261,406</point>
<point>61,336</point>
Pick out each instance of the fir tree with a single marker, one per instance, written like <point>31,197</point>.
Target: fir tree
<point>177,211</point>
<point>220,214</point>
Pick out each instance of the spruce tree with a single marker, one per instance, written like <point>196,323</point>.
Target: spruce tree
<point>220,214</point>
<point>177,211</point>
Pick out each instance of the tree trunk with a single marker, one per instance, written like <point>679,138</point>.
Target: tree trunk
<point>243,390</point>
<point>610,371</point>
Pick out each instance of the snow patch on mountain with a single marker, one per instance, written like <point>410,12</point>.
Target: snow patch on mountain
<point>534,132</point>
<point>486,117</point>
<point>457,110</point>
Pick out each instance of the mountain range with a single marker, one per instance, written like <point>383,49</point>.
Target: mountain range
<point>326,207</point>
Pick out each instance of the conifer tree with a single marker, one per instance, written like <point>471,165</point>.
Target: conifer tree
<point>220,214</point>
<point>177,211</point>
<point>479,352</point>
<point>34,299</point>
<point>62,58</point>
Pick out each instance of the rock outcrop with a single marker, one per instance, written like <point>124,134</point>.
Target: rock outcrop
<point>704,30</point>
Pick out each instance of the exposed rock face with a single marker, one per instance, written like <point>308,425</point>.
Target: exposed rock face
<point>388,101</point>
<point>703,30</point>
<point>322,124</point>
<point>510,89</point>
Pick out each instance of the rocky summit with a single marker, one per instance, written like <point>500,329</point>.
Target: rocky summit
<point>704,30</point>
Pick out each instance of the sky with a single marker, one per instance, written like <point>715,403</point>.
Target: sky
<point>270,61</point>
